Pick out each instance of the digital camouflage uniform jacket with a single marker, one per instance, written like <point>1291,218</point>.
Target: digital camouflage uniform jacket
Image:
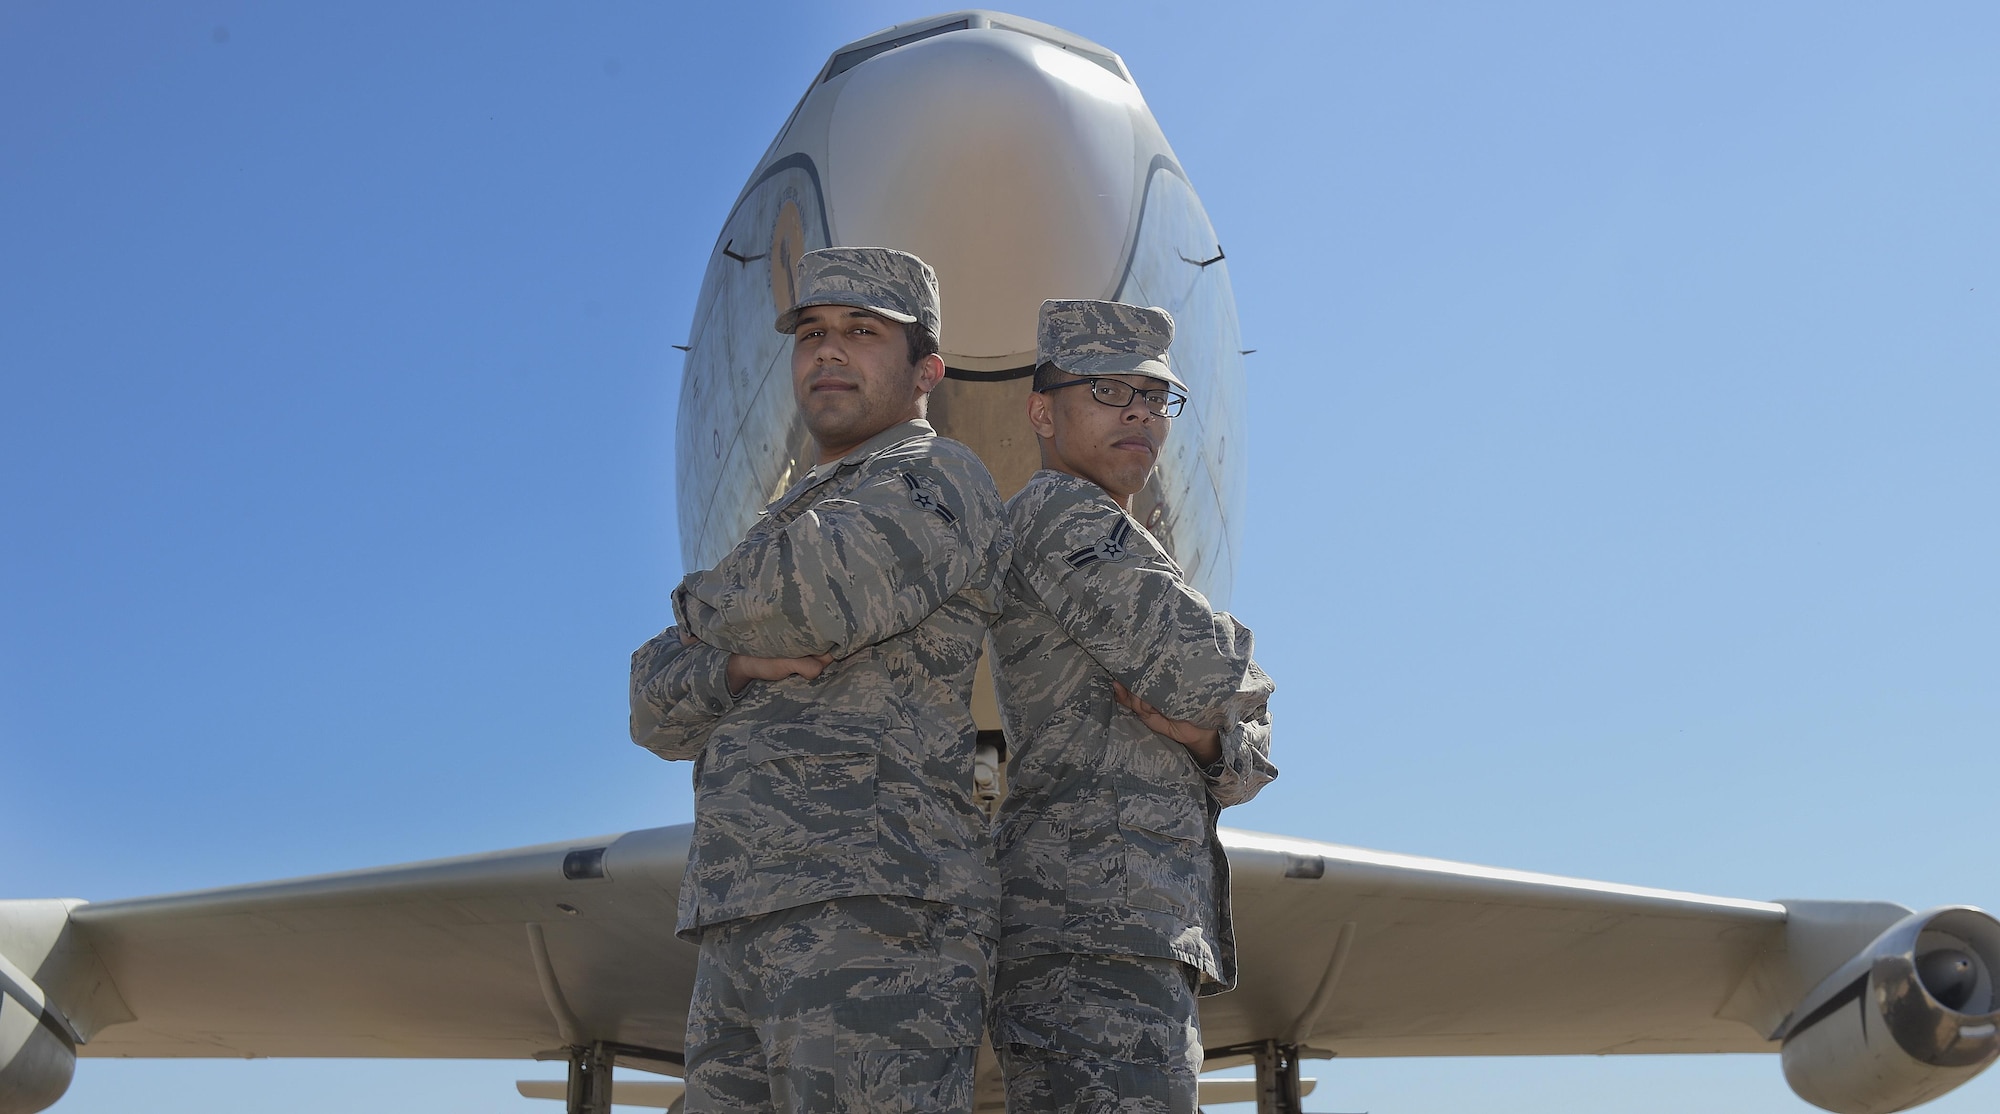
<point>860,781</point>
<point>1106,842</point>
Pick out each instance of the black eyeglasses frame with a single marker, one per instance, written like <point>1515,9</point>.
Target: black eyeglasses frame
<point>1169,406</point>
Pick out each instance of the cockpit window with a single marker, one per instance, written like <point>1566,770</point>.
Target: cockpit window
<point>848,59</point>
<point>1105,60</point>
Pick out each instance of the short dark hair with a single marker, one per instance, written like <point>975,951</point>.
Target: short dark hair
<point>1048,375</point>
<point>922,341</point>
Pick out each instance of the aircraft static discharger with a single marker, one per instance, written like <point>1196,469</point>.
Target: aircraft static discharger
<point>1023,163</point>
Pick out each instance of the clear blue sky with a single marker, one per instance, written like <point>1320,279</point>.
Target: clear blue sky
<point>1625,415</point>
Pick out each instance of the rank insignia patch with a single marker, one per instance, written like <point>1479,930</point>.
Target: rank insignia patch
<point>928,501</point>
<point>1111,548</point>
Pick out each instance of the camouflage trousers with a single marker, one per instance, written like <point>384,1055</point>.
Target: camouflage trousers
<point>1097,1034</point>
<point>862,1004</point>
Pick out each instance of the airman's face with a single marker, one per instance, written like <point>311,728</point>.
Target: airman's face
<point>1114,447</point>
<point>852,376</point>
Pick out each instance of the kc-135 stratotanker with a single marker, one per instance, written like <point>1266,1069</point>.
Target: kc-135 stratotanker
<point>1022,162</point>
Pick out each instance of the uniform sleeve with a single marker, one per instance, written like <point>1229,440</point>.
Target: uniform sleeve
<point>678,692</point>
<point>1245,766</point>
<point>1119,597</point>
<point>851,571</point>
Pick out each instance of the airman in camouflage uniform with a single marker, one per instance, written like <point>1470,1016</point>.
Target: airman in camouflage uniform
<point>1134,714</point>
<point>839,880</point>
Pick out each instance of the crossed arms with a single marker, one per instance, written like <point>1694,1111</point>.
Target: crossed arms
<point>848,572</point>
<point>1184,668</point>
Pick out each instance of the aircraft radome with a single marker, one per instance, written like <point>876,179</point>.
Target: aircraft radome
<point>1042,174</point>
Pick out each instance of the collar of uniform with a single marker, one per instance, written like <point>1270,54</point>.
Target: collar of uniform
<point>819,473</point>
<point>894,435</point>
<point>1051,475</point>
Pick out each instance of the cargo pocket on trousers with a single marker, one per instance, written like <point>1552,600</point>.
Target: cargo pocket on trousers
<point>816,789</point>
<point>911,1052</point>
<point>909,1080</point>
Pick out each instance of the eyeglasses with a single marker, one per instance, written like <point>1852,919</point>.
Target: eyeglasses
<point>1118,393</point>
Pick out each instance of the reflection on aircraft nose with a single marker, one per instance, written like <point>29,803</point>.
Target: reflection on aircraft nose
<point>1008,163</point>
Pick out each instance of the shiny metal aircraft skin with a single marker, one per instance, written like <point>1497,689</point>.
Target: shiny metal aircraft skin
<point>1023,163</point>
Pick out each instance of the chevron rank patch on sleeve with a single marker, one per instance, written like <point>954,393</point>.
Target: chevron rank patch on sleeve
<point>1108,548</point>
<point>926,500</point>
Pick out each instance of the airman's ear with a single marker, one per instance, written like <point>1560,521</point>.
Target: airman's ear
<point>1041,415</point>
<point>930,372</point>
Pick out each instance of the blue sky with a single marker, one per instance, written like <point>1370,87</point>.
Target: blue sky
<point>1622,473</point>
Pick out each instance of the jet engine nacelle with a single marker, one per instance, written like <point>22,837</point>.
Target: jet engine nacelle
<point>1913,1016</point>
<point>36,1057</point>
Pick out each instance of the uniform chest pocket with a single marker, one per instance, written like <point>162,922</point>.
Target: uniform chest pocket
<point>814,788</point>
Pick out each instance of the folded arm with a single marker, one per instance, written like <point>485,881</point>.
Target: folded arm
<point>1245,766</point>
<point>1235,762</point>
<point>1123,600</point>
<point>849,572</point>
<point>679,689</point>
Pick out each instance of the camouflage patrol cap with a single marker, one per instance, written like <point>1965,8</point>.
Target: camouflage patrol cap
<point>894,284</point>
<point>1106,338</point>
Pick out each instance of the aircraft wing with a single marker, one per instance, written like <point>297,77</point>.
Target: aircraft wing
<point>1448,959</point>
<point>1343,951</point>
<point>437,959</point>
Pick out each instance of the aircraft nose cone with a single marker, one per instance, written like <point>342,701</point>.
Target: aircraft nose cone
<point>1005,162</point>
